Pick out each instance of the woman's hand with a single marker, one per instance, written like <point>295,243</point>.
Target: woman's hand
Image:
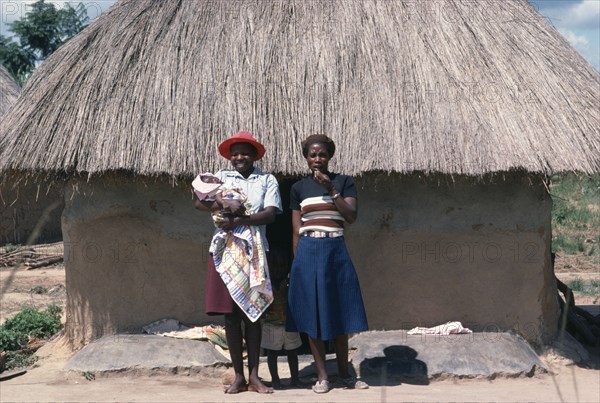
<point>266,216</point>
<point>323,180</point>
<point>234,221</point>
<point>236,207</point>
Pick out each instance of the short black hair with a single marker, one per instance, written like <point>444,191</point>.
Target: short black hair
<point>321,139</point>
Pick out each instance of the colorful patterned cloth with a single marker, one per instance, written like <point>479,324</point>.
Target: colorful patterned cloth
<point>240,260</point>
<point>221,217</point>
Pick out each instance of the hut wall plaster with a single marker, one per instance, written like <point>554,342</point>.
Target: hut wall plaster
<point>426,253</point>
<point>135,252</point>
<point>429,253</point>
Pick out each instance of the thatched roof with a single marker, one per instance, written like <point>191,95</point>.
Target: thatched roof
<point>443,86</point>
<point>9,91</point>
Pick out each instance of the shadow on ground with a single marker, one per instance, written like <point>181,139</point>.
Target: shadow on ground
<point>398,365</point>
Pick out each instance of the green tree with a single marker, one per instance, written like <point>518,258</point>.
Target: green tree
<point>18,61</point>
<point>43,30</point>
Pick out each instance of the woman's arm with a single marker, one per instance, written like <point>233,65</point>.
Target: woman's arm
<point>203,205</point>
<point>348,207</point>
<point>234,206</point>
<point>266,216</point>
<point>296,224</point>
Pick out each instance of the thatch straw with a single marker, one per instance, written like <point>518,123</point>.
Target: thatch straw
<point>9,91</point>
<point>436,86</point>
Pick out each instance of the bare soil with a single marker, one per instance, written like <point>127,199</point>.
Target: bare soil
<point>37,288</point>
<point>47,382</point>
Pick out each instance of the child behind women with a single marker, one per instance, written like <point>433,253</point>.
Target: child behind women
<point>274,336</point>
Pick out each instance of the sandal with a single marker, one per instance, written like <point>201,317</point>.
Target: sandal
<point>321,386</point>
<point>353,383</point>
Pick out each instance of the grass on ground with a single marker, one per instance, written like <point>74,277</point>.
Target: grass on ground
<point>16,332</point>
<point>576,214</point>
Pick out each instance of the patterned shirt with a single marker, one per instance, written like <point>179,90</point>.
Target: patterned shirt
<point>316,207</point>
<point>277,311</point>
<point>260,187</point>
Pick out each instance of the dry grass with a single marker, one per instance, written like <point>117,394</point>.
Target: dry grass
<point>447,86</point>
<point>9,91</point>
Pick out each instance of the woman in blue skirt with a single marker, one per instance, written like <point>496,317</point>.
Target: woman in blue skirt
<point>324,299</point>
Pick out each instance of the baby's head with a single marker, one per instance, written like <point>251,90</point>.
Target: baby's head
<point>209,178</point>
<point>206,185</point>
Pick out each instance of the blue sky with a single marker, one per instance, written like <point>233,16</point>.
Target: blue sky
<point>577,20</point>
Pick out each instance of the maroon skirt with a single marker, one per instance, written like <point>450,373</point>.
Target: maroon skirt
<point>218,301</point>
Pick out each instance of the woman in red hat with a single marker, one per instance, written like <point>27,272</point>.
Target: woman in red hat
<point>245,231</point>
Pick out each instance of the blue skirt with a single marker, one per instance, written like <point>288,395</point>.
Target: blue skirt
<point>324,298</point>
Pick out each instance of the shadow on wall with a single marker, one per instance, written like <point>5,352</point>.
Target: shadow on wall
<point>399,365</point>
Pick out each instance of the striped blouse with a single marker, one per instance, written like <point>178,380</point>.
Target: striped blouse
<point>317,209</point>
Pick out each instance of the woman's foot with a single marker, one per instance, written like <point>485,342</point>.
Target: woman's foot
<point>351,382</point>
<point>236,388</point>
<point>321,386</point>
<point>238,385</point>
<point>276,384</point>
<point>255,385</point>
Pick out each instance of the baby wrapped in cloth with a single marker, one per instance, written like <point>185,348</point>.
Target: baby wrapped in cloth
<point>239,254</point>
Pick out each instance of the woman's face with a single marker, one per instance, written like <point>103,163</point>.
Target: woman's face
<point>318,157</point>
<point>242,157</point>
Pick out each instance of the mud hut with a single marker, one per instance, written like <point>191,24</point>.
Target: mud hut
<point>29,210</point>
<point>451,115</point>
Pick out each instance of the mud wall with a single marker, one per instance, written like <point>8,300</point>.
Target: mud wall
<point>426,252</point>
<point>135,252</point>
<point>439,250</point>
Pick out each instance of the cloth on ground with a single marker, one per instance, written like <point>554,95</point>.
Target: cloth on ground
<point>170,327</point>
<point>444,329</point>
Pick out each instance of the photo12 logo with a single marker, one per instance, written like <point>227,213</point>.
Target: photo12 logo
<point>469,252</point>
<point>11,11</point>
<point>92,252</point>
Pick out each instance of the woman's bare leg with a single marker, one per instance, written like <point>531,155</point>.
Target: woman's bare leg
<point>341,353</point>
<point>317,347</point>
<point>253,335</point>
<point>233,333</point>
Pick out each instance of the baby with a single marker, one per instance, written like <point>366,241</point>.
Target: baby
<point>208,187</point>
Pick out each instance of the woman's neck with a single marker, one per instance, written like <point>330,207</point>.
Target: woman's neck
<point>247,173</point>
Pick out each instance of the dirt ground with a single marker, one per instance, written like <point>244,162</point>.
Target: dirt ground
<point>47,382</point>
<point>26,288</point>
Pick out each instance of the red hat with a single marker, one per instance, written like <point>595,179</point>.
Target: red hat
<point>241,137</point>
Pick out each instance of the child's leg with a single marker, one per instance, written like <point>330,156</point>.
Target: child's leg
<point>272,362</point>
<point>292,358</point>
